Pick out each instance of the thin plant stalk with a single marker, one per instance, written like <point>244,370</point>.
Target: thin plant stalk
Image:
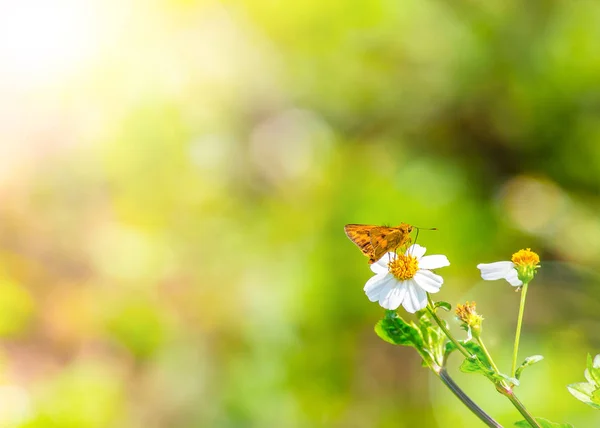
<point>508,393</point>
<point>502,387</point>
<point>464,398</point>
<point>518,333</point>
<point>487,355</point>
<point>439,322</point>
<point>443,375</point>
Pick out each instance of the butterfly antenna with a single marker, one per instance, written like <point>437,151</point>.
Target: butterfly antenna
<point>418,229</point>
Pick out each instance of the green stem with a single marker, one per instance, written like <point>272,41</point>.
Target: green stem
<point>449,382</point>
<point>506,390</point>
<point>502,387</point>
<point>487,355</point>
<point>464,398</point>
<point>508,393</point>
<point>443,375</point>
<point>439,322</point>
<point>518,333</point>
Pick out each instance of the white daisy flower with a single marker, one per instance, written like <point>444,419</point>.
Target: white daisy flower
<point>523,266</point>
<point>405,279</point>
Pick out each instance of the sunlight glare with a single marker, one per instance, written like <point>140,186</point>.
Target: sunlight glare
<point>42,42</point>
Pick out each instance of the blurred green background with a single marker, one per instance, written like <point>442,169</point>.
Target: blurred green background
<point>175,177</point>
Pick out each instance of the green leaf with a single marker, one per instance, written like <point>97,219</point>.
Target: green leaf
<point>396,331</point>
<point>475,365</point>
<point>544,423</point>
<point>448,349</point>
<point>596,362</point>
<point>444,305</point>
<point>502,376</point>
<point>528,361</point>
<point>479,363</point>
<point>585,392</point>
<point>476,350</point>
<point>432,336</point>
<point>472,365</point>
<point>592,374</point>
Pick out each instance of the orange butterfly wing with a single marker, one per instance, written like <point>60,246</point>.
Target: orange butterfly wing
<point>375,241</point>
<point>360,234</point>
<point>385,239</point>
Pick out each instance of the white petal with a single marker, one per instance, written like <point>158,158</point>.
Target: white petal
<point>434,262</point>
<point>385,291</point>
<point>428,281</point>
<point>375,284</point>
<point>596,362</point>
<point>394,297</point>
<point>381,265</point>
<point>513,278</point>
<point>497,270</point>
<point>415,250</point>
<point>415,299</point>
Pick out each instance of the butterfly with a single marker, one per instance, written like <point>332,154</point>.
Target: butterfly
<point>375,241</point>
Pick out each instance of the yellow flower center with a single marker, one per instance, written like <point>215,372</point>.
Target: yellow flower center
<point>526,263</point>
<point>403,267</point>
<point>525,258</point>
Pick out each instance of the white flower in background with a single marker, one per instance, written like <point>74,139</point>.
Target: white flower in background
<point>500,270</point>
<point>522,267</point>
<point>405,279</point>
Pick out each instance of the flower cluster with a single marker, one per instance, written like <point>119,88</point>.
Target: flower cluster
<point>405,279</point>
